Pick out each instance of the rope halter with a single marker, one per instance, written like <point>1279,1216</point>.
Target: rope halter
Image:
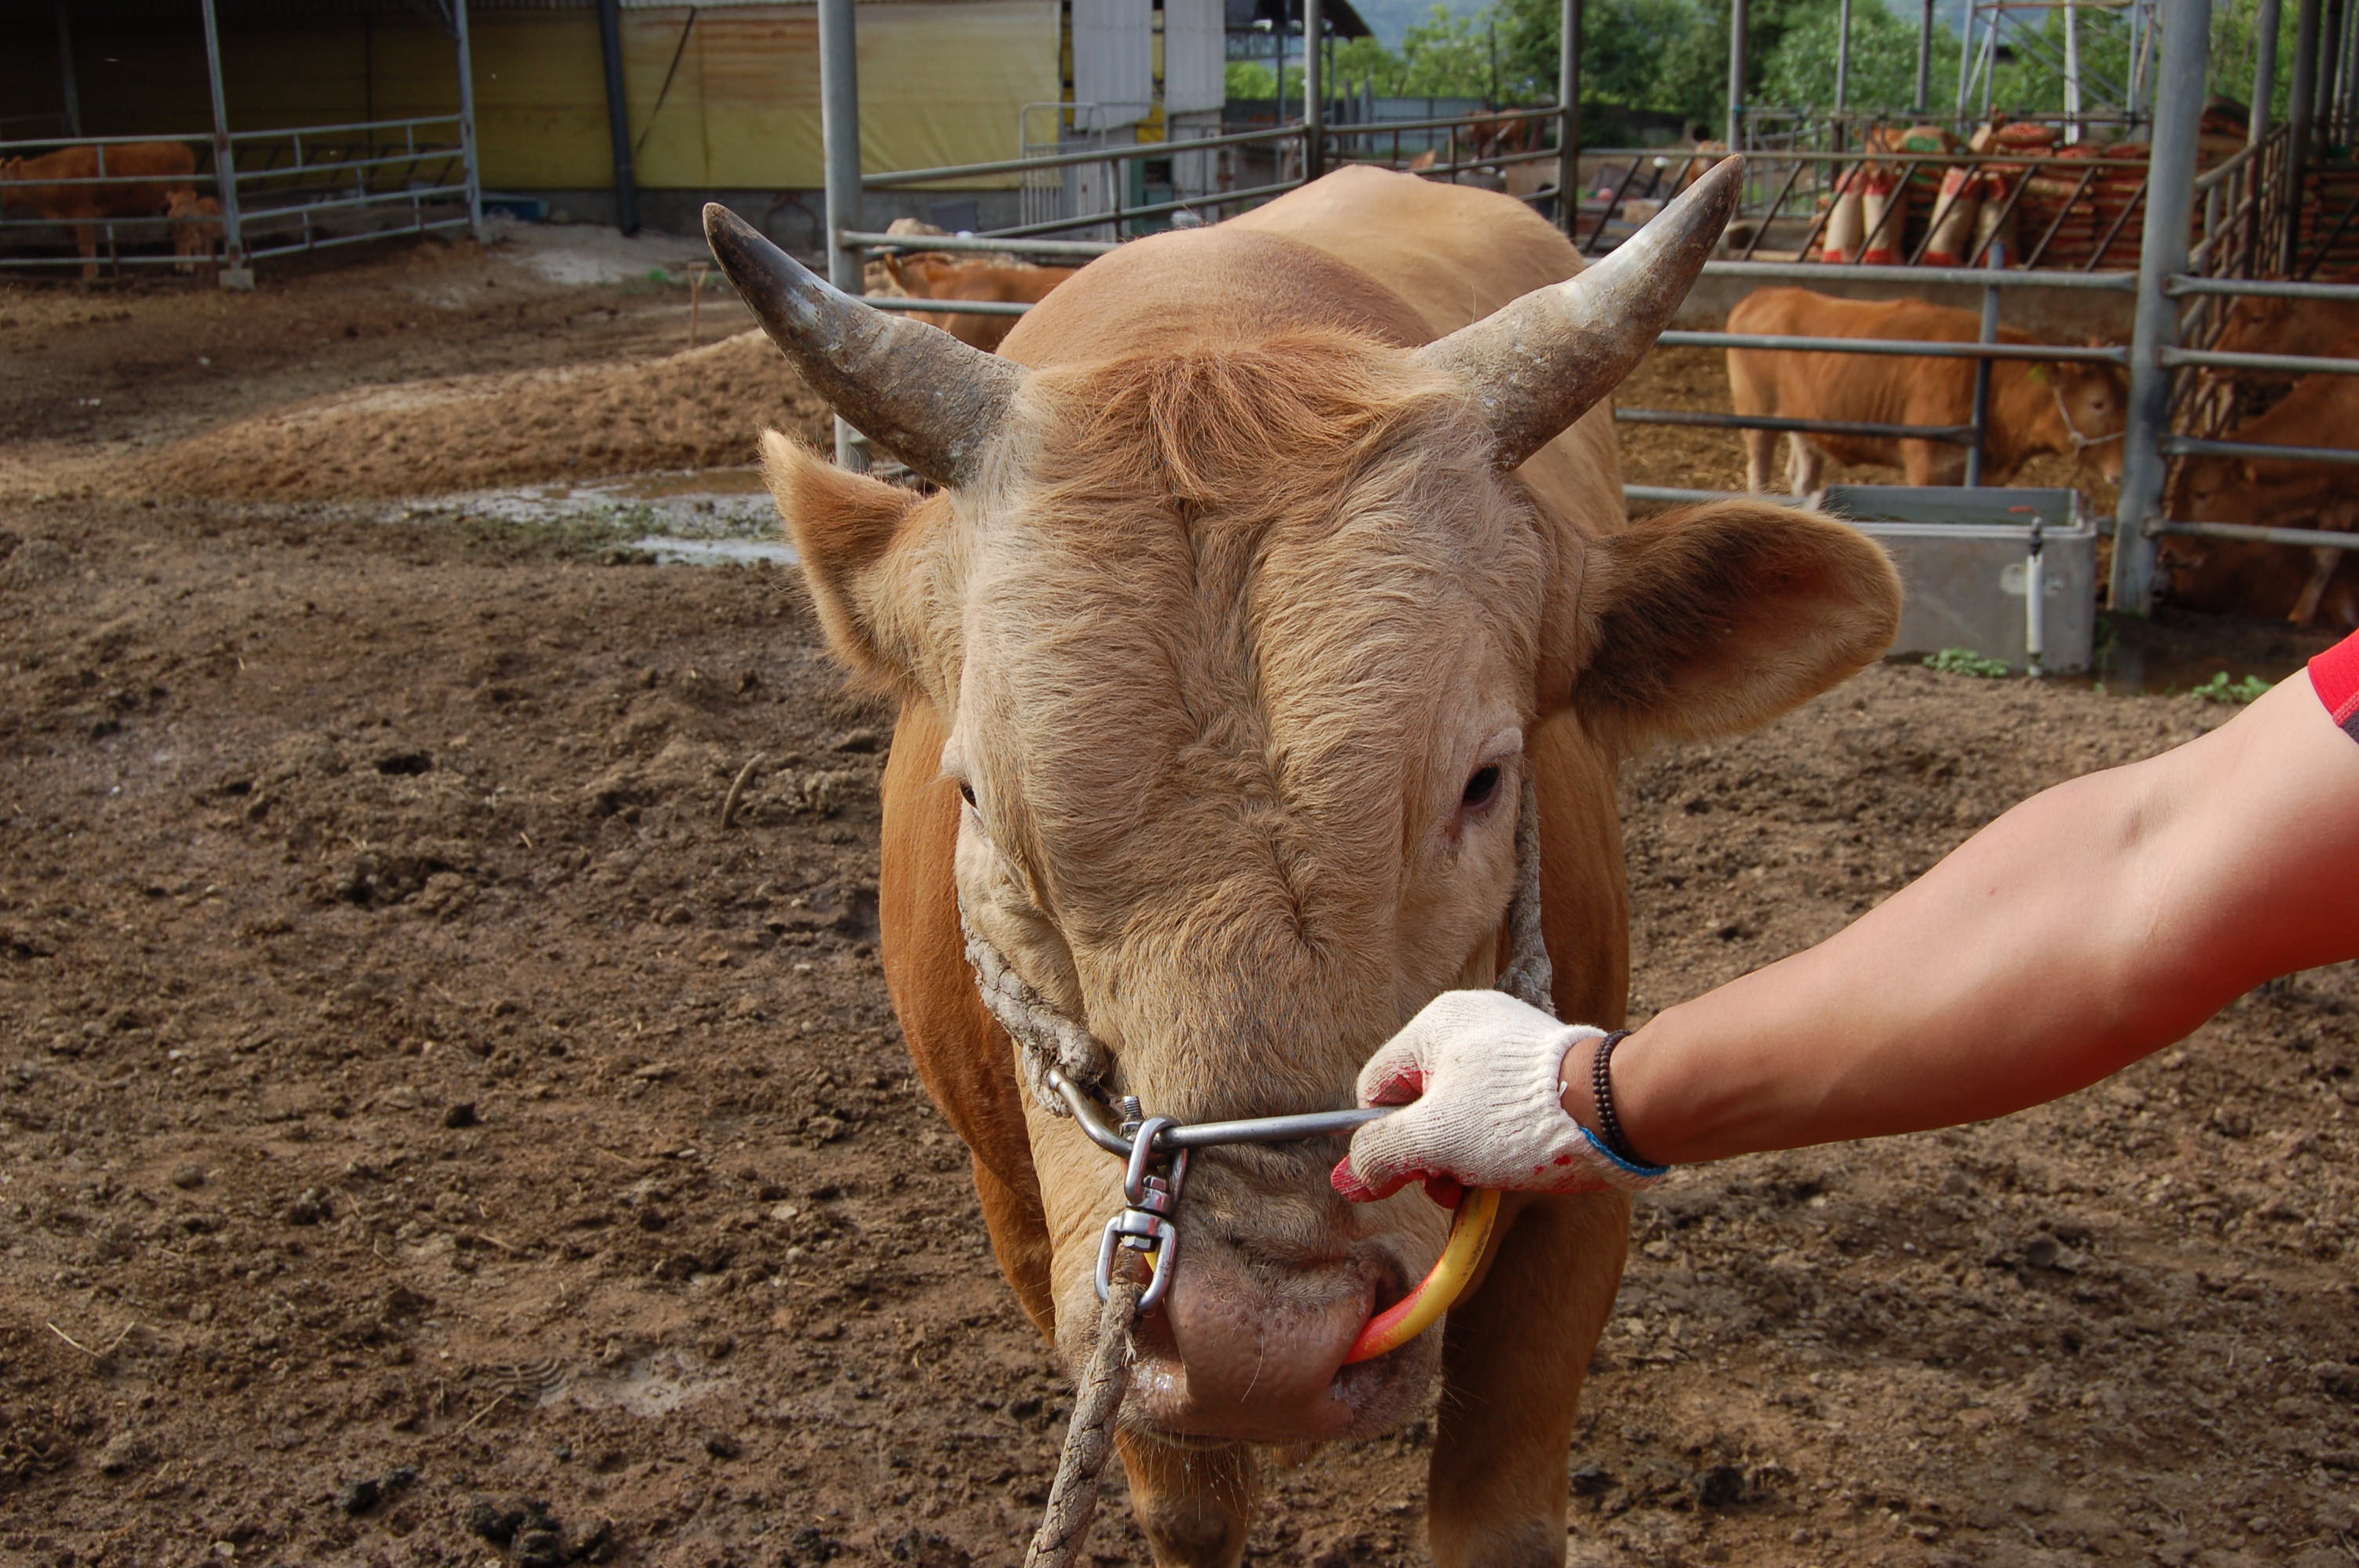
<point>2080,443</point>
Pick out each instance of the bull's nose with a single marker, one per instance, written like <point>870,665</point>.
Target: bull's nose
<point>1237,1354</point>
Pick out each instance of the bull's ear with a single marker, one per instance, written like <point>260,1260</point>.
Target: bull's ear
<point>856,541</point>
<point>1715,618</point>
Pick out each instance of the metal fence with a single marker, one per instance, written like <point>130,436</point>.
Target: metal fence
<point>292,188</point>
<point>2177,238</point>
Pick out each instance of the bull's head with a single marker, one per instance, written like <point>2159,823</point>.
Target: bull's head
<point>1243,639</point>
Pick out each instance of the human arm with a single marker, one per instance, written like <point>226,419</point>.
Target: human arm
<point>2095,923</point>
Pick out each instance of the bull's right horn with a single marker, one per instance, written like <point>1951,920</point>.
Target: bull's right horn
<point>1542,363</point>
<point>913,389</point>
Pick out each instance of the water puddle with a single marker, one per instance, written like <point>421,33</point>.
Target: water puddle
<point>671,550</point>
<point>703,518</point>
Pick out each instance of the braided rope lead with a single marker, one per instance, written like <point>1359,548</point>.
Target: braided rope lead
<point>1089,1439</point>
<point>1527,977</point>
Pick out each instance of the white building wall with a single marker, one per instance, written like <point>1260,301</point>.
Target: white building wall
<point>1114,59</point>
<point>1195,60</point>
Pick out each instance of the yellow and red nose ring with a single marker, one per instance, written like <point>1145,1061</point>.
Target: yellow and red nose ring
<point>1415,1313</point>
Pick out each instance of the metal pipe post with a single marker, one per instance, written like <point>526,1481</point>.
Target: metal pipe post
<point>1925,59</point>
<point>1738,23</point>
<point>839,118</point>
<point>1568,126</point>
<point>1277,109</point>
<point>1977,453</point>
<point>235,271</point>
<point>1842,57</point>
<point>2071,75</point>
<point>2329,75</point>
<point>2169,204</point>
<point>618,116</point>
<point>2298,119</point>
<point>66,70</point>
<point>467,118</point>
<point>1314,94</point>
<point>2265,24</point>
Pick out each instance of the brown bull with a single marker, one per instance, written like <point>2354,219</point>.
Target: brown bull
<point>1269,560</point>
<point>2253,578</point>
<point>2072,409</point>
<point>68,187</point>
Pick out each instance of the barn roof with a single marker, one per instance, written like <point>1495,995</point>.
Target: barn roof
<point>106,15</point>
<point>1342,21</point>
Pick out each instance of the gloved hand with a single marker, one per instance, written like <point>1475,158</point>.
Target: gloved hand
<point>1478,1072</point>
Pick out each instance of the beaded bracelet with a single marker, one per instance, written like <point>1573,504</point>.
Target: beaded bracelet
<point>1601,1089</point>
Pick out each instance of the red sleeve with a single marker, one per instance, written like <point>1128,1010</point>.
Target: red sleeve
<point>2334,676</point>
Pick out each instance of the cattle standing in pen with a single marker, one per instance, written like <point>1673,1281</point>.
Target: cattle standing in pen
<point>1268,561</point>
<point>77,185</point>
<point>2074,410</point>
<point>939,275</point>
<point>2252,577</point>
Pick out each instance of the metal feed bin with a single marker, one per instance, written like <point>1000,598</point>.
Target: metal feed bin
<point>1967,559</point>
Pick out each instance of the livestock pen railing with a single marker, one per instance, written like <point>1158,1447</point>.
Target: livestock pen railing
<point>278,190</point>
<point>2154,226</point>
<point>281,190</point>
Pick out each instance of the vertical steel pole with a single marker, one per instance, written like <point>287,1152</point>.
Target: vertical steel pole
<point>234,272</point>
<point>2305,95</point>
<point>2264,69</point>
<point>1738,21</point>
<point>2162,251</point>
<point>1966,54</point>
<point>2328,75</point>
<point>1314,94</point>
<point>66,70</point>
<point>1925,59</point>
<point>839,118</point>
<point>1568,127</point>
<point>1976,454</point>
<point>2071,75</point>
<point>1842,57</point>
<point>618,116</point>
<point>467,118</point>
<point>1278,41</point>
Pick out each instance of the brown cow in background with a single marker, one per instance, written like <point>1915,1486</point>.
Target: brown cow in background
<point>196,230</point>
<point>2036,406</point>
<point>937,275</point>
<point>64,187</point>
<point>2253,578</point>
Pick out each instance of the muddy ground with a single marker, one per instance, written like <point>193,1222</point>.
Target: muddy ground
<point>428,1135</point>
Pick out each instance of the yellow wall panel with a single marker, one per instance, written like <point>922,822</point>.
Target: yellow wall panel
<point>941,82</point>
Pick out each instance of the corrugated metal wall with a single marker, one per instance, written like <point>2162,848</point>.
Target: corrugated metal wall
<point>1195,60</point>
<point>1114,59</point>
<point>939,83</point>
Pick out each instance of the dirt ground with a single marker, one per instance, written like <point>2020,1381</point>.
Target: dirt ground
<point>429,1135</point>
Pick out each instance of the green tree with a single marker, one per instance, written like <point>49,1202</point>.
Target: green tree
<point>1799,73</point>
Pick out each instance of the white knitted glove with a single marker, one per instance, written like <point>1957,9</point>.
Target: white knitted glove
<point>1478,1074</point>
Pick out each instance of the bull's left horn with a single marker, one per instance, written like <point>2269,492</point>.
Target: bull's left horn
<point>915,390</point>
<point>1540,363</point>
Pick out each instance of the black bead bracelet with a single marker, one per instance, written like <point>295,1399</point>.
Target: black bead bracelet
<point>1601,1089</point>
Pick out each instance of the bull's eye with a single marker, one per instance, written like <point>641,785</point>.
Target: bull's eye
<point>966,792</point>
<point>1482,789</point>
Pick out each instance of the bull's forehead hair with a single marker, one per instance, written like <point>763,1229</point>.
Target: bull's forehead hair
<point>1227,618</point>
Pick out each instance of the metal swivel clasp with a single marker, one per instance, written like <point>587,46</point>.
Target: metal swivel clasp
<point>1147,1225</point>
